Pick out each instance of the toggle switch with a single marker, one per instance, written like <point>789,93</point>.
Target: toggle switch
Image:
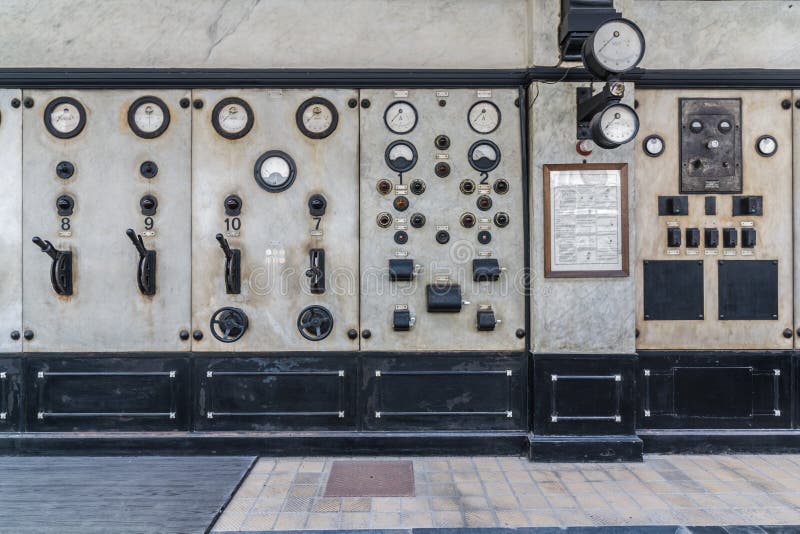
<point>148,204</point>
<point>65,204</point>
<point>748,205</point>
<point>748,237</point>
<point>692,237</point>
<point>316,270</point>
<point>673,205</point>
<point>60,269</point>
<point>402,319</point>
<point>401,270</point>
<point>444,298</point>
<point>146,272</point>
<point>233,205</point>
<point>729,237</point>
<point>711,238</point>
<point>486,320</point>
<point>485,270</point>
<point>673,237</point>
<point>317,205</point>
<point>233,266</point>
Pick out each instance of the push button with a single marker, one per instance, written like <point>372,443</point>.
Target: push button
<point>729,237</point>
<point>692,237</point>
<point>711,237</point>
<point>673,237</point>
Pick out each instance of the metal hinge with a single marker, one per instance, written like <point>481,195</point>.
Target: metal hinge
<point>210,415</point>
<point>3,375</point>
<point>172,374</point>
<point>377,373</point>
<point>341,372</point>
<point>40,374</point>
<point>172,415</point>
<point>341,415</point>
<point>209,374</point>
<point>377,415</point>
<point>509,414</point>
<point>508,372</point>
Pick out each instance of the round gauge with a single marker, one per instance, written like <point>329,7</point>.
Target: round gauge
<point>64,117</point>
<point>615,47</point>
<point>275,171</point>
<point>148,117</point>
<point>484,117</point>
<point>653,145</point>
<point>401,156</point>
<point>616,125</point>
<point>232,118</point>
<point>400,117</point>
<point>484,156</point>
<point>317,118</point>
<point>766,145</point>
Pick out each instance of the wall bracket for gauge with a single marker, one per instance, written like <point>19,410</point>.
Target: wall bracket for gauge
<point>148,117</point>
<point>317,118</point>
<point>603,119</point>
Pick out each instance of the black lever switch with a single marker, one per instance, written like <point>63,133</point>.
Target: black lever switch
<point>317,205</point>
<point>692,237</point>
<point>711,237</point>
<point>729,237</point>
<point>146,273</point>
<point>316,270</point>
<point>748,237</point>
<point>673,205</point>
<point>673,237</point>
<point>60,269</point>
<point>233,267</point>
<point>401,270</point>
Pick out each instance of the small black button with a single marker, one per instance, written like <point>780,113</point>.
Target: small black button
<point>442,237</point>
<point>148,169</point>
<point>400,237</point>
<point>484,237</point>
<point>65,170</point>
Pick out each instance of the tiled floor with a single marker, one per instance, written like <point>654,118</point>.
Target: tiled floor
<point>286,494</point>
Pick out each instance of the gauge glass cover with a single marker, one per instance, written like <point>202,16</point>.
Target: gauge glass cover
<point>275,171</point>
<point>148,117</point>
<point>618,45</point>
<point>400,117</point>
<point>232,118</point>
<point>484,156</point>
<point>619,124</point>
<point>65,117</point>
<point>401,156</point>
<point>317,118</point>
<point>484,117</point>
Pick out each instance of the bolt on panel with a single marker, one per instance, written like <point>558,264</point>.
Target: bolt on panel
<point>730,226</point>
<point>11,207</point>
<point>106,199</point>
<point>275,220</point>
<point>441,220</point>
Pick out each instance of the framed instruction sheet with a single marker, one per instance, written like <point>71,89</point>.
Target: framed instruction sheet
<point>586,220</point>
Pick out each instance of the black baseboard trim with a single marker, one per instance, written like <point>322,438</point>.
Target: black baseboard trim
<point>264,443</point>
<point>720,441</point>
<point>584,448</point>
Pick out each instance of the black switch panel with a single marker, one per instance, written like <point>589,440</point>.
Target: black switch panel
<point>692,237</point>
<point>673,237</point>
<point>748,237</point>
<point>711,237</point>
<point>749,205</point>
<point>673,205</point>
<point>729,237</point>
<point>711,205</point>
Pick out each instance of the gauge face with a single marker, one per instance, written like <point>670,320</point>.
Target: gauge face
<point>64,117</point>
<point>317,118</point>
<point>275,171</point>
<point>400,117</point>
<point>614,126</point>
<point>484,156</point>
<point>653,145</point>
<point>766,145</point>
<point>617,46</point>
<point>484,117</point>
<point>401,156</point>
<point>232,118</point>
<point>148,117</point>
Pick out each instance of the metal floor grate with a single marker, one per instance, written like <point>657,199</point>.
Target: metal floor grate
<point>360,478</point>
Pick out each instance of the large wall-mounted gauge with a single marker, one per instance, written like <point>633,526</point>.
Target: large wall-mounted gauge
<point>64,117</point>
<point>317,118</point>
<point>615,47</point>
<point>614,126</point>
<point>400,117</point>
<point>275,171</point>
<point>148,117</point>
<point>484,117</point>
<point>232,118</point>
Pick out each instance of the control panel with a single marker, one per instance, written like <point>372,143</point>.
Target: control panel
<point>11,206</point>
<point>441,220</point>
<point>713,218</point>
<point>275,220</point>
<point>105,225</point>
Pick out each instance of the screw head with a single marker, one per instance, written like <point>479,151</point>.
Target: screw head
<point>787,333</point>
<point>516,102</point>
<point>197,335</point>
<point>28,334</point>
<point>352,103</point>
<point>15,335</point>
<point>185,103</point>
<point>365,103</point>
<point>28,102</point>
<point>366,334</point>
<point>797,104</point>
<point>184,335</point>
<point>636,333</point>
<point>786,104</point>
<point>15,103</point>
<point>520,333</point>
<point>352,333</point>
<point>198,104</point>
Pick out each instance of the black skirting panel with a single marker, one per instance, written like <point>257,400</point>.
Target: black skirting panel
<point>10,370</point>
<point>715,390</point>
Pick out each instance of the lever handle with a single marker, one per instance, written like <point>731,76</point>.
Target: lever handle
<point>137,241</point>
<point>316,270</point>
<point>46,246</point>
<point>225,247</point>
<point>146,272</point>
<point>60,269</point>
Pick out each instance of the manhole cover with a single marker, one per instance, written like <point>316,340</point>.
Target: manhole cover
<point>371,479</point>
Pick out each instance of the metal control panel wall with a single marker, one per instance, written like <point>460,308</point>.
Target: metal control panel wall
<point>97,164</point>
<point>713,207</point>
<point>441,220</point>
<point>11,207</point>
<point>275,220</point>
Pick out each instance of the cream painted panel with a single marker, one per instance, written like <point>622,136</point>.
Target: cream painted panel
<point>771,178</point>
<point>796,211</point>
<point>107,312</point>
<point>11,208</point>
<point>442,204</point>
<point>277,230</point>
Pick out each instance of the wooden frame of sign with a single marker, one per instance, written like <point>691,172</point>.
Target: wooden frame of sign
<point>586,232</point>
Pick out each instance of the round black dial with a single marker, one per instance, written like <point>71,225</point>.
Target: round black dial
<point>315,323</point>
<point>232,118</point>
<point>228,324</point>
<point>64,117</point>
<point>148,117</point>
<point>317,118</point>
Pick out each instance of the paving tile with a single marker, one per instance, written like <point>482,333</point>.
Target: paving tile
<point>414,504</point>
<point>385,504</point>
<point>307,478</point>
<point>474,503</point>
<point>475,519</point>
<point>444,504</point>
<point>448,520</point>
<point>322,522</point>
<point>312,467</point>
<point>229,521</point>
<point>303,491</point>
<point>420,520</point>
<point>442,490</point>
<point>326,505</point>
<point>267,504</point>
<point>297,504</point>
<point>468,488</point>
<point>356,504</point>
<point>259,522</point>
<point>290,521</point>
<point>543,518</point>
<point>385,519</point>
<point>512,518</point>
<point>354,520</point>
